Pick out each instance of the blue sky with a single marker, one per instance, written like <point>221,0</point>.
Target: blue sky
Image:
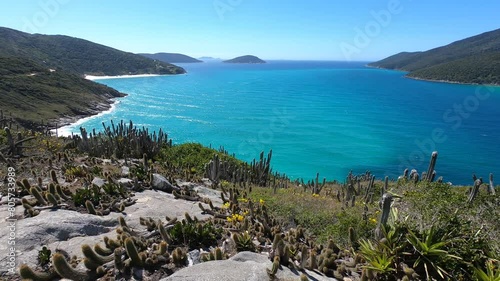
<point>271,29</point>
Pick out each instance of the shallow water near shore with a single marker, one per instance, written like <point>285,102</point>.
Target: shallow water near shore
<point>326,117</point>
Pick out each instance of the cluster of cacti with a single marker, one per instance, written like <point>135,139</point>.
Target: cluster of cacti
<point>186,194</point>
<point>118,257</point>
<point>261,170</point>
<point>214,255</point>
<point>294,250</point>
<point>314,185</point>
<point>122,141</point>
<point>14,145</point>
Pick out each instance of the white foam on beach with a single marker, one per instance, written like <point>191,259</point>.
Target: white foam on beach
<point>68,130</point>
<point>93,77</point>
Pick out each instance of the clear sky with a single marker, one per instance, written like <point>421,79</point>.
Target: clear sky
<point>271,29</point>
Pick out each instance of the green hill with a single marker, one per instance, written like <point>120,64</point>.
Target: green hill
<point>472,60</point>
<point>32,93</point>
<point>171,58</point>
<point>245,59</point>
<point>78,56</point>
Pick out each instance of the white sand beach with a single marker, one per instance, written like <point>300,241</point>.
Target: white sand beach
<point>93,77</point>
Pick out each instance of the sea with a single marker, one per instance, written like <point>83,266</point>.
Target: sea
<point>321,117</point>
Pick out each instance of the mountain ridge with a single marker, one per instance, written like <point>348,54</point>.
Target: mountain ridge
<point>171,57</point>
<point>42,76</point>
<point>473,60</point>
<point>78,56</point>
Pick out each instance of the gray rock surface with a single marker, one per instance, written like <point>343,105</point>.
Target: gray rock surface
<point>68,230</point>
<point>50,227</point>
<point>245,266</point>
<point>98,181</point>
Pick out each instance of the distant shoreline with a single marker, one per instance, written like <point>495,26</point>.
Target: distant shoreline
<point>95,77</point>
<point>431,80</point>
<point>64,123</point>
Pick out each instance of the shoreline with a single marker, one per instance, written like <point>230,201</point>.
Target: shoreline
<point>63,124</point>
<point>450,82</point>
<point>70,121</point>
<point>95,77</point>
<point>431,80</point>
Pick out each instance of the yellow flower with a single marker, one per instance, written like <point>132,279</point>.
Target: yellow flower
<point>315,195</point>
<point>226,205</point>
<point>372,220</point>
<point>261,201</point>
<point>244,200</point>
<point>235,218</point>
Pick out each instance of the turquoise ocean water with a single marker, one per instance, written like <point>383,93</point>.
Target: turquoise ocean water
<point>326,117</point>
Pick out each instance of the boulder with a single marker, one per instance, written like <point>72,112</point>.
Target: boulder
<point>243,266</point>
<point>159,182</point>
<point>50,226</point>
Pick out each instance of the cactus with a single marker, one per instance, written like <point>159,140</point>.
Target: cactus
<point>312,262</point>
<point>213,171</point>
<point>65,270</point>
<point>276,264</point>
<point>111,243</point>
<point>119,264</point>
<point>352,237</point>
<point>179,257</point>
<point>163,232</point>
<point>218,254</point>
<point>121,221</point>
<point>475,190</point>
<point>52,188</point>
<point>429,176</point>
<point>27,273</point>
<point>386,209</point>
<point>53,176</point>
<point>94,257</point>
<point>61,193</point>
<point>37,194</point>
<point>102,251</point>
<point>132,252</point>
<point>491,186</point>
<point>162,249</point>
<point>52,199</point>
<point>386,185</point>
<point>90,208</point>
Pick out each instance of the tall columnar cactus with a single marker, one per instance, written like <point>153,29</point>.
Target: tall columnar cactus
<point>432,164</point>
<point>386,210</point>
<point>317,186</point>
<point>213,170</point>
<point>386,185</point>
<point>491,186</point>
<point>38,195</point>
<point>475,190</point>
<point>261,169</point>
<point>132,252</point>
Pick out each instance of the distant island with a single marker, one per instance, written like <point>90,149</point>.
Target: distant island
<point>245,59</point>
<point>210,59</point>
<point>42,76</point>
<point>474,60</point>
<point>171,57</point>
